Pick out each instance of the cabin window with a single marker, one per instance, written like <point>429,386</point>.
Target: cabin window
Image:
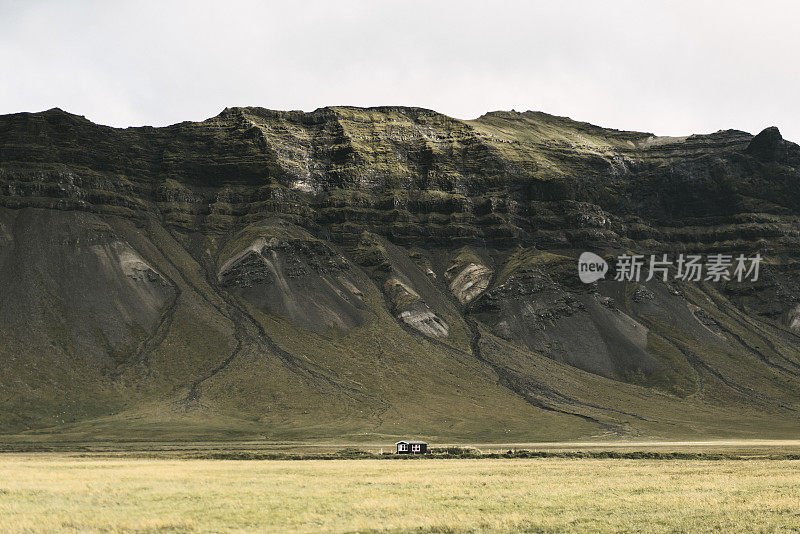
<point>416,448</point>
<point>402,447</point>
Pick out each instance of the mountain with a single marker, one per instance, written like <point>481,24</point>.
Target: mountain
<point>357,274</point>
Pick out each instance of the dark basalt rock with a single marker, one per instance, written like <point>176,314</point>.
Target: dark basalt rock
<point>769,145</point>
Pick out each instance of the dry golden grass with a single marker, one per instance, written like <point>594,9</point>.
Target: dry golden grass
<point>57,492</point>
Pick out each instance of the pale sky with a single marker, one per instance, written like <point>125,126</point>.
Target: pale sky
<point>667,67</point>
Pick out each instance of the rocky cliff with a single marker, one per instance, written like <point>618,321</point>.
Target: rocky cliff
<point>359,273</point>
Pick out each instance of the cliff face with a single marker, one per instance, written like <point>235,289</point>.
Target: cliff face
<point>354,272</point>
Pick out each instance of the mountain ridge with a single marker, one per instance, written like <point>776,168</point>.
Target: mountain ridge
<point>354,272</point>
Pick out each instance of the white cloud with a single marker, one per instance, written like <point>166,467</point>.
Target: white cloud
<point>668,67</point>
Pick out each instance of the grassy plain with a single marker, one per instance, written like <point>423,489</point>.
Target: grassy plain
<point>68,492</point>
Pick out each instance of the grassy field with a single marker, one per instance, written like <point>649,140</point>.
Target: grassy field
<point>63,492</point>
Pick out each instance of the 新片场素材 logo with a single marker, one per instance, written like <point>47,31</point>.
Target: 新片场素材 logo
<point>591,267</point>
<point>686,267</point>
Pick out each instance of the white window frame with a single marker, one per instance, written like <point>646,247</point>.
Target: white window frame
<point>402,447</point>
<point>416,447</point>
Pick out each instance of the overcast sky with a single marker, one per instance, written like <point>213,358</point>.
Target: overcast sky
<point>671,68</point>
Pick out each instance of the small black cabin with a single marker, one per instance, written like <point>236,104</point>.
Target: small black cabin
<point>411,447</point>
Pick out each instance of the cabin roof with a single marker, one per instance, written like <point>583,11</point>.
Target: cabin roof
<point>412,442</point>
